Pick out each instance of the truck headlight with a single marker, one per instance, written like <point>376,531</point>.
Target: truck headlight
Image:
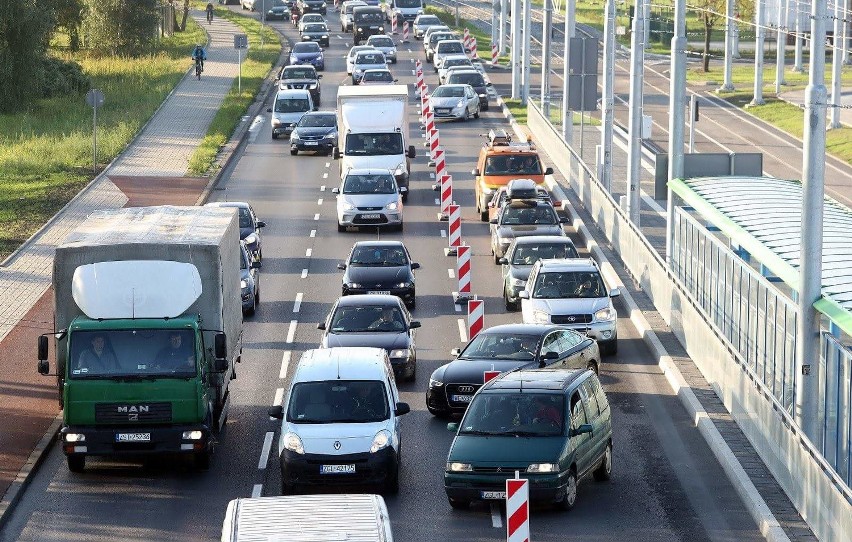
<point>192,435</point>
<point>243,284</point>
<point>391,206</point>
<point>453,466</point>
<point>251,239</point>
<point>75,437</point>
<point>606,315</point>
<point>380,441</point>
<point>400,170</point>
<point>541,317</point>
<point>292,442</point>
<point>543,467</point>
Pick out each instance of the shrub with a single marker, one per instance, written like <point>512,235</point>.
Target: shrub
<point>60,77</point>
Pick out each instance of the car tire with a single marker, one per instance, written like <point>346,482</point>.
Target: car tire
<point>411,305</point>
<point>604,471</point>
<point>569,499</point>
<point>274,135</point>
<point>393,61</point>
<point>593,366</point>
<point>459,504</point>
<point>354,82</point>
<point>202,459</point>
<point>511,306</point>
<point>341,227</point>
<point>476,115</point>
<point>496,257</point>
<point>400,227</point>
<point>413,376</point>
<point>251,310</point>
<point>294,152</point>
<point>76,462</point>
<point>608,348</point>
<point>405,197</point>
<point>486,108</point>
<point>483,215</point>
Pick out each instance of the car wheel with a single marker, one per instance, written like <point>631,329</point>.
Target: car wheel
<point>274,135</point>
<point>593,366</point>
<point>202,459</point>
<point>496,257</point>
<point>76,462</point>
<point>413,375</point>
<point>511,306</point>
<point>405,197</point>
<point>483,215</point>
<point>569,499</point>
<point>251,310</point>
<point>400,227</point>
<point>393,61</point>
<point>341,227</point>
<point>354,82</point>
<point>486,108</point>
<point>459,504</point>
<point>294,152</point>
<point>411,305</point>
<point>476,115</point>
<point>604,471</point>
<point>392,483</point>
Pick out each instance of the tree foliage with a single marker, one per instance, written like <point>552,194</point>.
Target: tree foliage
<point>69,16</point>
<point>25,30</point>
<point>121,26</point>
<point>712,14</point>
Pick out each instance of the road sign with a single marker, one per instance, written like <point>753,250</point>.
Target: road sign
<point>95,98</point>
<point>240,41</point>
<point>517,510</point>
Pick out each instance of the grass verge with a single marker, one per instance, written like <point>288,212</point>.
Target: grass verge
<point>256,66</point>
<point>46,149</point>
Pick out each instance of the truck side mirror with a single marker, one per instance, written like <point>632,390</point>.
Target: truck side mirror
<point>411,152</point>
<point>42,349</point>
<point>548,171</point>
<point>276,412</point>
<point>261,224</point>
<point>43,367</point>
<point>336,153</point>
<point>475,172</point>
<point>220,348</point>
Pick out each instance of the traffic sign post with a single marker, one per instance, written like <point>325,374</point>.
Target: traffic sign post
<point>240,42</point>
<point>95,99</point>
<point>517,510</point>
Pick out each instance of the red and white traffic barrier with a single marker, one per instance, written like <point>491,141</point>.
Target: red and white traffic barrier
<point>472,53</point>
<point>489,375</point>
<point>475,317</point>
<point>437,154</point>
<point>466,39</point>
<point>494,55</point>
<point>440,164</point>
<point>517,510</point>
<point>404,31</point>
<point>454,230</point>
<point>393,24</point>
<point>446,196</point>
<point>434,143</point>
<point>463,274</point>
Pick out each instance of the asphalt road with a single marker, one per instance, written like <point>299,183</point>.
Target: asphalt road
<point>666,484</point>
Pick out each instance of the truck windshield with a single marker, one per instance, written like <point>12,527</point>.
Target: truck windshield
<point>406,4</point>
<point>527,414</point>
<point>132,353</point>
<point>338,401</point>
<point>374,144</point>
<point>368,17</point>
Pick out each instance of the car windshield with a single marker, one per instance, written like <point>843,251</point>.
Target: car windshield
<point>381,42</point>
<point>369,184</point>
<point>408,3</point>
<point>508,346</point>
<point>528,254</point>
<point>338,401</point>
<point>316,121</point>
<point>472,79</point>
<point>367,319</point>
<point>355,50</point>
<point>245,218</point>
<point>438,36</point>
<point>569,285</point>
<point>140,353</point>
<point>450,48</point>
<point>428,20</point>
<point>378,256</point>
<point>369,58</point>
<point>448,92</point>
<point>379,75</point>
<point>368,17</point>
<point>316,27</point>
<point>374,144</point>
<point>243,259</point>
<point>291,105</point>
<point>306,47</point>
<point>450,62</point>
<point>519,164</point>
<point>524,215</point>
<point>298,73</point>
<point>515,413</point>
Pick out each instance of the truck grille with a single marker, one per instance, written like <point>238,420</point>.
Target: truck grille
<point>133,412</point>
<point>571,319</point>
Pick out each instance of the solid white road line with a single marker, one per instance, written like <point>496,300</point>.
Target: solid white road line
<point>313,233</point>
<point>285,364</point>
<point>316,216</point>
<point>256,491</point>
<point>304,273</point>
<point>264,451</point>
<point>319,201</point>
<point>462,330</point>
<point>451,273</point>
<point>298,304</point>
<point>291,332</point>
<point>496,518</point>
<point>309,252</point>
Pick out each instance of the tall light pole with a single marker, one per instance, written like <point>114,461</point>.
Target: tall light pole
<point>677,107</point>
<point>546,40</point>
<point>608,95</point>
<point>836,65</point>
<point>760,33</point>
<point>797,28</point>
<point>516,49</point>
<point>634,146</point>
<point>504,6</point>
<point>810,254</point>
<point>728,85</point>
<point>567,114</point>
<point>781,44</point>
<point>525,93</point>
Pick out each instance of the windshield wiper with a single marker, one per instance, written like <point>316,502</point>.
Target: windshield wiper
<point>522,433</point>
<point>479,432</point>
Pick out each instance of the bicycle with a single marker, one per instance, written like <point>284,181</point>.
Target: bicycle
<point>198,69</point>
<point>209,17</point>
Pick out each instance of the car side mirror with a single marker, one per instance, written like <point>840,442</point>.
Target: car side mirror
<point>455,352</point>
<point>550,355</point>
<point>321,326</point>
<point>415,265</point>
<point>335,190</point>
<point>475,172</point>
<point>42,349</point>
<point>564,220</point>
<point>261,224</point>
<point>402,408</point>
<point>395,80</point>
<point>319,76</point>
<point>503,261</point>
<point>548,171</point>
<point>492,221</point>
<point>276,412</point>
<point>615,292</point>
<point>220,346</point>
<point>403,189</point>
<point>414,324</point>
<point>256,265</point>
<point>269,110</point>
<point>341,266</point>
<point>523,294</point>
<point>582,430</point>
<point>453,427</point>
<point>336,153</point>
<point>411,152</point>
<point>489,84</point>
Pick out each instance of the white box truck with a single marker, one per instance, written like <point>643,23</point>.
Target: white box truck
<point>307,518</point>
<point>148,326</point>
<point>373,130</point>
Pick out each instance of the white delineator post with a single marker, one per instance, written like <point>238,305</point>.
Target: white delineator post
<point>517,510</point>
<point>475,317</point>
<point>393,24</point>
<point>494,55</point>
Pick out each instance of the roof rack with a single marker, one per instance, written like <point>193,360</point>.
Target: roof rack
<point>498,138</point>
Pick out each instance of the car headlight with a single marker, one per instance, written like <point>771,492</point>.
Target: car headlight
<point>400,170</point>
<point>75,437</point>
<point>294,135</point>
<point>360,29</point>
<point>348,206</point>
<point>453,466</point>
<point>380,441</point>
<point>398,354</point>
<point>391,206</point>
<point>192,435</point>
<point>251,239</point>
<point>381,29</point>
<point>435,383</point>
<point>518,282</point>
<point>325,36</point>
<point>332,135</point>
<point>541,317</point>
<point>292,442</point>
<point>313,86</point>
<point>276,122</point>
<point>482,95</point>
<point>354,285</point>
<point>606,315</point>
<point>543,467</point>
<point>357,71</point>
<point>460,104</point>
<point>403,285</point>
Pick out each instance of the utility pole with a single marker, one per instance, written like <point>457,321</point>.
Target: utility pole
<point>546,40</point>
<point>846,34</point>
<point>516,49</point>
<point>525,94</point>
<point>781,45</point>
<point>634,150</point>
<point>836,66</point>
<point>807,372</point>
<point>608,95</point>
<point>797,26</point>
<point>760,32</point>
<point>677,106</point>
<point>728,85</point>
<point>501,47</point>
<point>567,114</point>
<point>495,22</point>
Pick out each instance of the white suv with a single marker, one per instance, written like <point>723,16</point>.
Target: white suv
<point>571,292</point>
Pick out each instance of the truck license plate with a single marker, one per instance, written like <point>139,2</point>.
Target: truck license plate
<point>462,398</point>
<point>337,469</point>
<point>133,437</point>
<point>493,495</point>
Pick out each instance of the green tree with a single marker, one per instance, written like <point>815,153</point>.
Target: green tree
<point>121,26</point>
<point>69,17</point>
<point>24,36</point>
<point>712,13</point>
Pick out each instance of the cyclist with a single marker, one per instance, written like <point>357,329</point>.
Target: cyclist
<point>209,12</point>
<point>198,55</point>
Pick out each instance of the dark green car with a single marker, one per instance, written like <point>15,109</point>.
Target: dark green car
<point>552,427</point>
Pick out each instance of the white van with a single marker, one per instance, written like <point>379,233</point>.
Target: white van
<point>290,104</point>
<point>340,422</point>
<point>307,518</point>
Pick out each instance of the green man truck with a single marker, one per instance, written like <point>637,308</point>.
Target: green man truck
<point>148,327</point>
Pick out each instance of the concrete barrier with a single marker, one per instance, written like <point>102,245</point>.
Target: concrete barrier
<point>822,498</point>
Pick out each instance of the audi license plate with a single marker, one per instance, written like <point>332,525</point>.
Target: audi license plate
<point>337,469</point>
<point>375,216</point>
<point>133,437</point>
<point>311,143</point>
<point>462,398</point>
<point>493,495</point>
<point>379,292</point>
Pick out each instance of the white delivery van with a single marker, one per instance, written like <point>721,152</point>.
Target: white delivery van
<point>307,518</point>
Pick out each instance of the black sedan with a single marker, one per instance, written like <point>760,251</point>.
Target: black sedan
<point>315,131</point>
<point>249,227</point>
<point>506,348</point>
<point>380,267</point>
<point>279,10</point>
<point>378,321</point>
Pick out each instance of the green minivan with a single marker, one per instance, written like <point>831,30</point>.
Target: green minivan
<point>551,426</point>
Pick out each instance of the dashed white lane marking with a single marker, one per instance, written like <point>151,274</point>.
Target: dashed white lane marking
<point>313,233</point>
<point>264,451</point>
<point>413,72</point>
<point>285,364</point>
<point>457,307</point>
<point>340,37</point>
<point>298,304</point>
<point>319,201</point>
<point>443,233</point>
<point>304,273</point>
<point>431,175</point>
<point>309,252</point>
<point>325,175</point>
<point>256,491</point>
<point>322,188</point>
<point>279,396</point>
<point>328,164</point>
<point>462,330</point>
<point>316,216</point>
<point>451,273</point>
<point>291,332</point>
<point>496,518</point>
<point>437,201</point>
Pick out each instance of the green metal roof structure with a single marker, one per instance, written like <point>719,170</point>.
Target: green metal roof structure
<point>763,215</point>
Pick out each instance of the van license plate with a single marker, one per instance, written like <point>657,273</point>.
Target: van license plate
<point>337,469</point>
<point>462,398</point>
<point>493,495</point>
<point>133,437</point>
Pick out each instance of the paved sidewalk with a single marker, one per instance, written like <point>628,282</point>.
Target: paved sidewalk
<point>161,152</point>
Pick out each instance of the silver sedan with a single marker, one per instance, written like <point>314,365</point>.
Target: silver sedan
<point>458,102</point>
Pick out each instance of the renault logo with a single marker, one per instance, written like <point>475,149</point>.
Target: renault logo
<point>466,389</point>
<point>336,444</point>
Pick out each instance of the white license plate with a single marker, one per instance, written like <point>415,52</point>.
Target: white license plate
<point>370,217</point>
<point>379,292</point>
<point>337,469</point>
<point>311,143</point>
<point>133,437</point>
<point>462,398</point>
<point>493,495</point>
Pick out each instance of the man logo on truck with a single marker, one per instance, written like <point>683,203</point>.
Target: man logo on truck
<point>133,411</point>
